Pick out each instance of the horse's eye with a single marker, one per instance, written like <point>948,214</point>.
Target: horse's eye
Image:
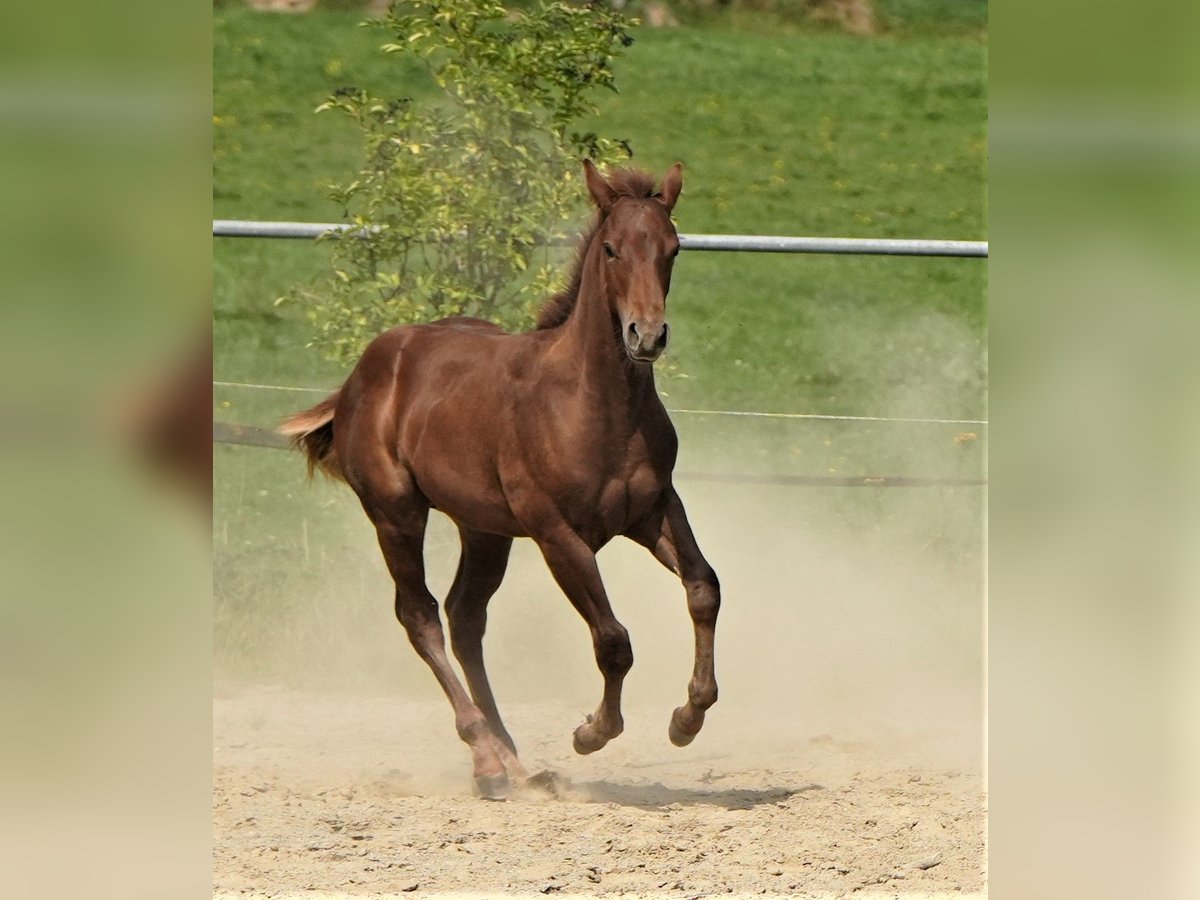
<point>609,251</point>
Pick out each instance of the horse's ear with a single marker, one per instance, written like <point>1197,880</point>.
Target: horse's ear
<point>671,186</point>
<point>603,195</point>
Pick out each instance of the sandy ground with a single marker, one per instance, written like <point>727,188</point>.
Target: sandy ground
<point>844,756</point>
<point>325,795</point>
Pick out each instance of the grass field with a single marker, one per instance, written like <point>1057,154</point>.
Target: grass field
<point>782,130</point>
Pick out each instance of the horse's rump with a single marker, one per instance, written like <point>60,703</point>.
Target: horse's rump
<point>311,431</point>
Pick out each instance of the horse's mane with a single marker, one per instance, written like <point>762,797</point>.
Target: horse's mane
<point>626,183</point>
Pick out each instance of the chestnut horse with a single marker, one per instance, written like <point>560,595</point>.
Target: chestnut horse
<point>557,434</point>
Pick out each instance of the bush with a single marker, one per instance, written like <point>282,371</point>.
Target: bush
<point>464,196</point>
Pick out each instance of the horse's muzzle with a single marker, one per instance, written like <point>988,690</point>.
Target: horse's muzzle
<point>645,341</point>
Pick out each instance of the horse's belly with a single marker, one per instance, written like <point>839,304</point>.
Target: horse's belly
<point>477,503</point>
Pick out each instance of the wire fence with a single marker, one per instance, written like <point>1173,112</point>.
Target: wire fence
<point>736,413</point>
<point>256,436</point>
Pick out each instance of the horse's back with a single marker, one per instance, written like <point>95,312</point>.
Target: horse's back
<point>409,349</point>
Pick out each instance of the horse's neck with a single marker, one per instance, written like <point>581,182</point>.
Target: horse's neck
<point>590,342</point>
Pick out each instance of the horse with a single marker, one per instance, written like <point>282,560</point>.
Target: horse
<point>555,434</point>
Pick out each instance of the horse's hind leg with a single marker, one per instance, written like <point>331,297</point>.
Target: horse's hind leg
<point>669,537</point>
<point>481,568</point>
<point>401,529</point>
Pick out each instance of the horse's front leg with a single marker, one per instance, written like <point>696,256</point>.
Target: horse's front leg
<point>573,564</point>
<point>669,537</point>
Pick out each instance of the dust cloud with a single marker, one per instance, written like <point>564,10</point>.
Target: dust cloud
<point>851,614</point>
<point>845,751</point>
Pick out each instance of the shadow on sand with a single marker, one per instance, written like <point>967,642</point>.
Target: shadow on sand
<point>658,795</point>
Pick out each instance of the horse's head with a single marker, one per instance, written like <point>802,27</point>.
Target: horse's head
<point>636,245</point>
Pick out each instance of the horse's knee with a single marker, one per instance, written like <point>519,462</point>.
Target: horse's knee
<point>704,596</point>
<point>614,653</point>
<point>419,617</point>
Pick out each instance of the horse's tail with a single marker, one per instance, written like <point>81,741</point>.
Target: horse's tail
<point>312,432</point>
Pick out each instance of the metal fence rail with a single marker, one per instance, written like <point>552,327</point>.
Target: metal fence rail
<point>724,242</point>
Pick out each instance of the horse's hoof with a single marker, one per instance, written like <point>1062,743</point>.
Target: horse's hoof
<point>492,787</point>
<point>678,736</point>
<point>586,743</point>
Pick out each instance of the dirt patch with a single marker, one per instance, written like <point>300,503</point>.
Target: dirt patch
<point>844,756</point>
<point>372,795</point>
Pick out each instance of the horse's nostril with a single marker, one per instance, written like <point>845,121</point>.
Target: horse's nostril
<point>633,329</point>
<point>662,338</point>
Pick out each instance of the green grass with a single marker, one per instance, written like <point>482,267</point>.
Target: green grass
<point>822,134</point>
<point>782,131</point>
